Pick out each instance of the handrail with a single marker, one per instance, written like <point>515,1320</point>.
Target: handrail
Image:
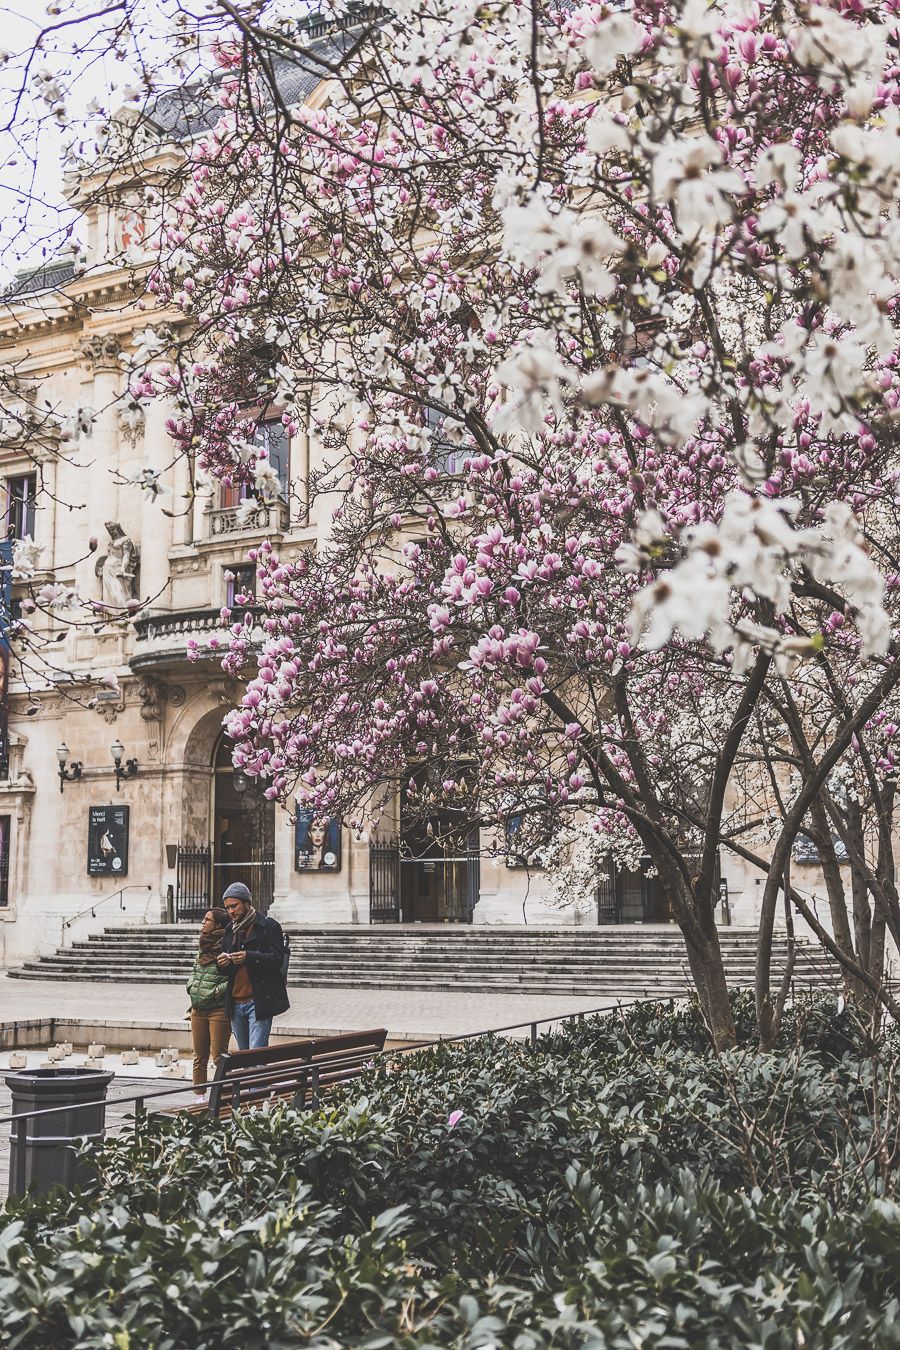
<point>141,1097</point>
<point>92,909</point>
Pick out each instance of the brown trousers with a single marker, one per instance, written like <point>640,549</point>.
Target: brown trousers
<point>210,1033</point>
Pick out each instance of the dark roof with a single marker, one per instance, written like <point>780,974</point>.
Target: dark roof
<point>47,277</point>
<point>193,108</point>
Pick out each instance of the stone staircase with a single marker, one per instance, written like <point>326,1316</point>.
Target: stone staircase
<point>603,963</point>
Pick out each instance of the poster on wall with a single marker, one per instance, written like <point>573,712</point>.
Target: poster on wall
<point>317,844</point>
<point>107,841</point>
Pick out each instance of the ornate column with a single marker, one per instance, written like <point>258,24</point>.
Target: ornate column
<point>102,355</point>
<point>157,528</point>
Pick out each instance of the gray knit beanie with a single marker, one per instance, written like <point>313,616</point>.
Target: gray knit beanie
<point>238,891</point>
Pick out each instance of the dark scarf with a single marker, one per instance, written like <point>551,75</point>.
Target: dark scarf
<point>210,946</point>
<point>242,930</point>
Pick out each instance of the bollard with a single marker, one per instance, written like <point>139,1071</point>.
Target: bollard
<point>41,1153</point>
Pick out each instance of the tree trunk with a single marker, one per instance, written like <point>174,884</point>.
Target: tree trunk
<point>708,970</point>
<point>834,885</point>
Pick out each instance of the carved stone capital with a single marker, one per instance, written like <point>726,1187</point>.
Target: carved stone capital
<point>224,691</point>
<point>102,351</point>
<point>151,696</point>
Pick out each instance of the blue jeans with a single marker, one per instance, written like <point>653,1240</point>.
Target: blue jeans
<point>250,1032</point>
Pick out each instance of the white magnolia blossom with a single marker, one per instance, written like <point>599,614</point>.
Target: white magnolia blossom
<point>580,855</point>
<point>25,558</point>
<point>80,422</point>
<point>673,412</point>
<point>148,481</point>
<point>535,376</point>
<point>265,481</point>
<point>686,173</point>
<point>616,35</point>
<point>246,511</point>
<point>57,596</point>
<point>560,244</point>
<point>150,344</point>
<point>756,550</point>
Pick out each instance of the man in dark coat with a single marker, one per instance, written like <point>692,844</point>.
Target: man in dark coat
<point>253,954</point>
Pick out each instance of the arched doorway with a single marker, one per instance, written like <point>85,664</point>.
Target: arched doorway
<point>243,836</point>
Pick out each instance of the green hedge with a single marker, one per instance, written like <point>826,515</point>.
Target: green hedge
<point>618,1187</point>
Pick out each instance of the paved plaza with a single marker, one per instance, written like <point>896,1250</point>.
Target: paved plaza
<point>407,1014</point>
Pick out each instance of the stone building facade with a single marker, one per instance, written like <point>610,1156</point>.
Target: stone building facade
<point>192,823</point>
<point>109,686</point>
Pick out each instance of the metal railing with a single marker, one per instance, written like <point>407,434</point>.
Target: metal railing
<point>92,909</point>
<point>18,1122</point>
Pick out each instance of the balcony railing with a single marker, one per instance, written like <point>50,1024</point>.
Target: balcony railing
<point>162,638</point>
<point>270,518</point>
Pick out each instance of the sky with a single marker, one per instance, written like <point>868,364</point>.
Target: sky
<point>78,62</point>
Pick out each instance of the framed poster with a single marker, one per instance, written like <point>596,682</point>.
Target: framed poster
<point>107,841</point>
<point>317,846</point>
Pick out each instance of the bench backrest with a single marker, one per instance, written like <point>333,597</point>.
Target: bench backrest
<point>299,1070</point>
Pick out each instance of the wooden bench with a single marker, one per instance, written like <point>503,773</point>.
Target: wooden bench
<point>296,1071</point>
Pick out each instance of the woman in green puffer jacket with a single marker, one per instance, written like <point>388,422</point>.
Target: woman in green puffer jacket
<point>207,987</point>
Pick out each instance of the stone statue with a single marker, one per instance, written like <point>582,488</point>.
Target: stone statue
<point>117,568</point>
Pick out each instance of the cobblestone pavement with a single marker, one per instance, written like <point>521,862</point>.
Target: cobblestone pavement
<point>407,1014</point>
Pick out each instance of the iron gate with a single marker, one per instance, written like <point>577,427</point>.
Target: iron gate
<point>258,877</point>
<point>636,897</point>
<point>193,883</point>
<point>200,882</point>
<point>396,877</point>
<point>384,881</point>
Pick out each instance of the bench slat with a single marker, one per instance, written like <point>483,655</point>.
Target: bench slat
<point>298,1070</point>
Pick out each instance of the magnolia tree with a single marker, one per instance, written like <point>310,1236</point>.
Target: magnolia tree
<point>789,778</point>
<point>589,319</point>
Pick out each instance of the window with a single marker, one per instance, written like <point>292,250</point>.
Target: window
<point>242,582</point>
<point>446,457</point>
<point>4,711</point>
<point>5,822</point>
<point>274,439</point>
<point>527,838</point>
<point>20,495</point>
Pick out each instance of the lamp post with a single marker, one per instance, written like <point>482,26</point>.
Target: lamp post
<point>117,750</point>
<point>73,773</point>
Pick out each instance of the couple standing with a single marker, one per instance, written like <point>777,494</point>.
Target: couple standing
<point>238,980</point>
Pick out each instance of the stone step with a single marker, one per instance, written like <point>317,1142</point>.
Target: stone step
<point>600,937</point>
<point>610,990</point>
<point>536,951</point>
<point>320,972</point>
<point>582,955</point>
<point>611,986</point>
<point>590,963</point>
<point>404,938</point>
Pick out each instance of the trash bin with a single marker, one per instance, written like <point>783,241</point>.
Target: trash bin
<point>41,1152</point>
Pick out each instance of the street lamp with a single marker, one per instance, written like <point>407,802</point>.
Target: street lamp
<point>73,773</point>
<point>117,750</point>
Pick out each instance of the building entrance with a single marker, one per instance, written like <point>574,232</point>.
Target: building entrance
<point>243,842</point>
<point>430,874</point>
<point>637,897</point>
